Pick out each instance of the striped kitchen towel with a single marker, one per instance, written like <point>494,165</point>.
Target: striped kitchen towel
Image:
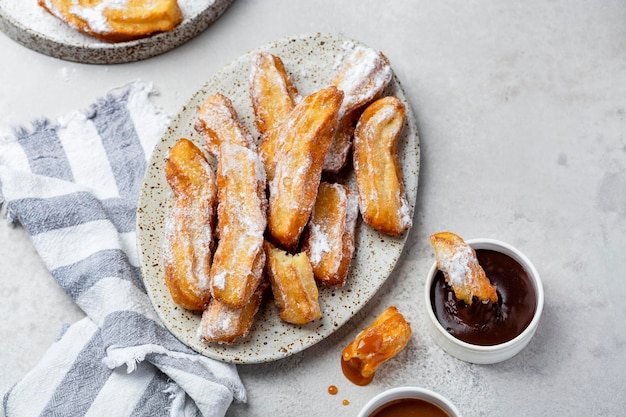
<point>73,185</point>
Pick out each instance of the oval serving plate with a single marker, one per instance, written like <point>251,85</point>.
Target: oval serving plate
<point>30,25</point>
<point>311,61</point>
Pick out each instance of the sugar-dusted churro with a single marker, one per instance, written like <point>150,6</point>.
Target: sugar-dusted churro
<point>307,135</point>
<point>188,241</point>
<point>457,260</point>
<point>329,236</point>
<point>293,285</point>
<point>272,93</point>
<point>382,196</point>
<point>218,122</point>
<point>223,324</point>
<point>239,259</point>
<point>362,77</point>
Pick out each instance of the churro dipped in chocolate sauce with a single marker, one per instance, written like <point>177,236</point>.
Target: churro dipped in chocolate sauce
<point>492,312</point>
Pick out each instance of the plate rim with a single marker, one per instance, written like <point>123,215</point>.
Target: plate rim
<point>114,52</point>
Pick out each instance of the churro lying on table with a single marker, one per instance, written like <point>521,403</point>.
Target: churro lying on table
<point>457,260</point>
<point>188,241</point>
<point>388,334</point>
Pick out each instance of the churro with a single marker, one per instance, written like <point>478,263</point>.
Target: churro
<point>239,259</point>
<point>293,188</point>
<point>363,76</point>
<point>329,236</point>
<point>272,93</point>
<point>188,241</point>
<point>382,196</point>
<point>388,334</point>
<point>217,122</point>
<point>293,285</point>
<point>457,260</point>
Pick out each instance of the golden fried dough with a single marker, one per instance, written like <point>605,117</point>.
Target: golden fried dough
<point>457,260</point>
<point>363,76</point>
<point>272,93</point>
<point>115,21</point>
<point>308,133</point>
<point>382,197</point>
<point>239,259</point>
<point>217,122</point>
<point>273,96</point>
<point>293,285</point>
<point>188,242</point>
<point>223,324</point>
<point>388,334</point>
<point>339,151</point>
<point>329,236</point>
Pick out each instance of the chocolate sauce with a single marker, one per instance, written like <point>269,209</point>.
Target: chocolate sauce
<point>485,323</point>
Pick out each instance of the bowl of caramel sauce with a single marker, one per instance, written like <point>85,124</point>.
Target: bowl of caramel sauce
<point>486,332</point>
<point>408,402</point>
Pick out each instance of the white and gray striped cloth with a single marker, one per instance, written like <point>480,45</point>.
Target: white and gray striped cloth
<point>73,185</point>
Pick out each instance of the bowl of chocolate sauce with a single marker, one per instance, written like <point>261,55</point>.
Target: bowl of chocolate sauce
<point>486,332</point>
<point>407,402</point>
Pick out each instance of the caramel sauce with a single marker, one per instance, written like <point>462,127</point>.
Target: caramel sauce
<point>387,335</point>
<point>351,371</point>
<point>332,390</point>
<point>370,343</point>
<point>345,402</point>
<point>485,323</point>
<point>409,407</point>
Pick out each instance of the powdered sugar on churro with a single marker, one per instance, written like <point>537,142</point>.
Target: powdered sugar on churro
<point>319,244</point>
<point>364,75</point>
<point>239,258</point>
<point>352,214</point>
<point>94,16</point>
<point>192,8</point>
<point>457,265</point>
<point>218,122</point>
<point>405,210</point>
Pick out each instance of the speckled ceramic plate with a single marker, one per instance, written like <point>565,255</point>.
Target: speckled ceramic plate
<point>311,61</point>
<point>27,23</point>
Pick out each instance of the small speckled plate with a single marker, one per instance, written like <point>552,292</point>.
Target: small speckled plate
<point>311,61</point>
<point>27,23</point>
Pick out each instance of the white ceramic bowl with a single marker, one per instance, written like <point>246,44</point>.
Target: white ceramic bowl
<point>486,354</point>
<point>409,392</point>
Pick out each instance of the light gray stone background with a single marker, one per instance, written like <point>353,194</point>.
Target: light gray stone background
<point>521,108</point>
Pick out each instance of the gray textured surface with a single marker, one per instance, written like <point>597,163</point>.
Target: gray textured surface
<point>522,118</point>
